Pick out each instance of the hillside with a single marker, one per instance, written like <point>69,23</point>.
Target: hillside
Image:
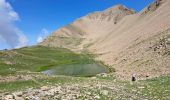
<point>94,58</point>
<point>51,61</point>
<point>25,74</point>
<point>132,43</point>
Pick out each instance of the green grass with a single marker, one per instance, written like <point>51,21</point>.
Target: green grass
<point>37,83</point>
<point>39,58</point>
<point>152,89</point>
<point>17,85</point>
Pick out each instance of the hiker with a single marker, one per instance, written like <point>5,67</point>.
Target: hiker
<point>133,77</point>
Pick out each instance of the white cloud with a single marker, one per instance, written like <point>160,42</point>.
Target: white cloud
<point>21,38</point>
<point>8,31</point>
<point>39,39</point>
<point>44,33</point>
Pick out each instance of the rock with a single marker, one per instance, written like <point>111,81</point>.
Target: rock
<point>88,93</point>
<point>97,97</point>
<point>6,93</point>
<point>134,90</point>
<point>35,98</point>
<point>49,93</point>
<point>8,63</point>
<point>168,39</point>
<point>19,98</point>
<point>54,91</point>
<point>93,77</point>
<point>104,92</point>
<point>45,88</point>
<point>27,98</point>
<point>141,87</point>
<point>19,94</point>
<point>9,97</point>
<point>102,75</point>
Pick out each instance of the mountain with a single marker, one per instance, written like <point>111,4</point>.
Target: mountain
<point>132,43</point>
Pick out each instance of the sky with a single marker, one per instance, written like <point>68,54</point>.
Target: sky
<point>27,22</point>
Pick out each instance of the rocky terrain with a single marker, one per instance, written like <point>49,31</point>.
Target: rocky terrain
<point>101,87</point>
<point>118,42</point>
<point>120,31</point>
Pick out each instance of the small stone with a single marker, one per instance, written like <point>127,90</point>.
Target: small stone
<point>88,93</point>
<point>27,98</point>
<point>48,93</point>
<point>104,92</point>
<point>45,88</point>
<point>7,93</point>
<point>168,39</point>
<point>54,91</point>
<point>141,87</point>
<point>7,97</point>
<point>19,94</point>
<point>19,98</point>
<point>97,97</point>
<point>35,98</point>
<point>93,77</point>
<point>134,90</point>
<point>104,75</point>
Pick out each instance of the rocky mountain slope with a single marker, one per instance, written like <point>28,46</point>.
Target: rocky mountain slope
<point>133,43</point>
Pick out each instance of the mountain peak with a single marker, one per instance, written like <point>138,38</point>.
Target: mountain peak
<point>152,7</point>
<point>119,7</point>
<point>114,14</point>
<point>116,7</point>
<point>121,41</point>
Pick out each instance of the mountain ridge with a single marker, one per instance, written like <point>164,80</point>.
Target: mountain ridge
<point>111,38</point>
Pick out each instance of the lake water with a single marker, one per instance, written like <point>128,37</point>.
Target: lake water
<point>77,70</point>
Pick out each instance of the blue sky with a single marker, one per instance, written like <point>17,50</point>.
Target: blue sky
<point>38,18</point>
